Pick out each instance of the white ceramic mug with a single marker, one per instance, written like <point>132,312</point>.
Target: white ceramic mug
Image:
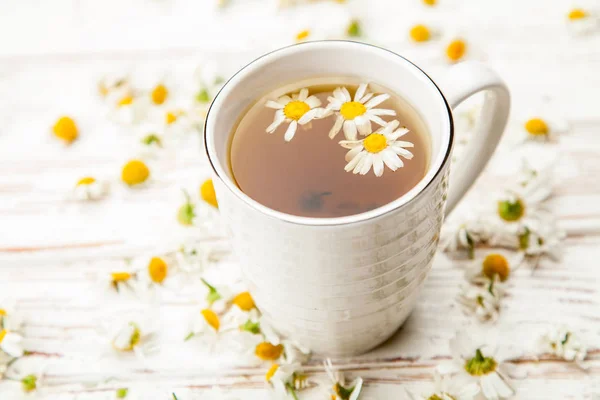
<point>341,286</point>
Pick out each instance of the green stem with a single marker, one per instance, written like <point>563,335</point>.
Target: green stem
<point>478,356</point>
<point>292,391</point>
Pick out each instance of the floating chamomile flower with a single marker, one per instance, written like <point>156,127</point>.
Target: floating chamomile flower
<point>134,336</point>
<point>483,302</point>
<point>88,188</point>
<point>378,148</point>
<point>582,22</point>
<point>479,364</point>
<point>493,266</point>
<point>135,172</point>
<point>297,109</point>
<point>340,390</point>
<point>66,129</point>
<point>286,379</point>
<point>355,116</point>
<point>563,343</point>
<point>449,388</point>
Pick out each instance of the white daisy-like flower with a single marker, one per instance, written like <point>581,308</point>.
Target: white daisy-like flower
<point>151,140</point>
<point>482,301</point>
<point>194,256</point>
<point>126,107</point>
<point>89,188</point>
<point>11,343</point>
<point>546,242</point>
<point>478,363</point>
<point>297,109</point>
<point>136,336</point>
<point>122,281</point>
<point>286,379</point>
<point>497,265</point>
<point>449,388</point>
<point>378,149</point>
<point>542,128</point>
<point>583,22</point>
<point>292,350</point>
<point>217,298</point>
<point>355,116</point>
<point>205,325</point>
<point>563,343</point>
<point>24,385</point>
<point>465,235</point>
<point>341,390</point>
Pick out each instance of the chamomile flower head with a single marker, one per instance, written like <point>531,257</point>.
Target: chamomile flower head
<point>482,301</point>
<point>124,281</point>
<point>127,107</point>
<point>135,172</point>
<point>449,388</point>
<point>297,109</point>
<point>159,93</point>
<point>286,379</point>
<point>194,256</point>
<point>89,188</point>
<point>340,390</point>
<point>478,363</point>
<point>494,266</point>
<point>465,235</point>
<point>542,128</point>
<point>420,33</point>
<point>66,129</point>
<point>378,149</point>
<point>563,343</point>
<point>134,335</point>
<point>456,49</point>
<point>112,83</point>
<point>582,21</point>
<point>355,115</point>
<point>151,140</point>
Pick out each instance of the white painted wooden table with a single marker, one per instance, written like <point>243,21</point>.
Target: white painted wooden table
<point>52,250</point>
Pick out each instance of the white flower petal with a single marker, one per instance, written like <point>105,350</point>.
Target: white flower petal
<point>377,100</point>
<point>283,100</point>
<point>378,164</point>
<point>313,101</point>
<point>363,124</point>
<point>309,116</point>
<point>346,94</point>
<point>339,94</point>
<point>402,152</point>
<point>500,385</point>
<point>368,163</point>
<point>366,98</point>
<point>337,126</point>
<point>354,162</point>
<point>291,131</point>
<point>279,118</point>
<point>447,367</point>
<point>353,152</point>
<point>378,120</point>
<point>357,389</point>
<point>400,143</point>
<point>382,111</point>
<point>360,92</point>
<point>488,389</point>
<point>363,158</point>
<point>350,130</point>
<point>274,104</point>
<point>397,134</point>
<point>391,159</point>
<point>303,95</point>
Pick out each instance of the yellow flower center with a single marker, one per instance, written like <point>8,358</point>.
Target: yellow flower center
<point>536,127</point>
<point>375,142</point>
<point>3,312</point>
<point>244,301</point>
<point>134,339</point>
<point>480,365</point>
<point>88,180</point>
<point>120,276</point>
<point>135,172</point>
<point>352,109</point>
<point>268,352</point>
<point>3,333</point>
<point>211,318</point>
<point>511,211</point>
<point>577,13</point>
<point>419,33</point>
<point>430,2</point>
<point>271,372</point>
<point>159,94</point>
<point>495,265</point>
<point>295,109</point>
<point>127,100</point>
<point>207,192</point>
<point>302,35</point>
<point>157,269</point>
<point>456,50</point>
<point>65,129</point>
<point>172,116</point>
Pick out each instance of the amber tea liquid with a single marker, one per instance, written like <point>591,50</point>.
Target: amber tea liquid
<point>306,176</point>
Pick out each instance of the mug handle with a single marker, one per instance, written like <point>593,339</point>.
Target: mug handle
<point>463,81</point>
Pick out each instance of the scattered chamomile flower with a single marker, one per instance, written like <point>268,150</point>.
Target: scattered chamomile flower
<point>292,350</point>
<point>244,301</point>
<point>157,270</point>
<point>207,193</point>
<point>465,235</point>
<point>267,351</point>
<point>297,109</point>
<point>151,142</point>
<point>206,324</point>
<point>340,390</point>
<point>563,343</point>
<point>194,256</point>
<point>420,33</point>
<point>135,172</point>
<point>286,379</point>
<point>217,299</point>
<point>355,116</point>
<point>493,266</point>
<point>128,108</point>
<point>542,129</point>
<point>483,302</point>
<point>10,344</point>
<point>88,188</point>
<point>545,243</point>
<point>477,362</point>
<point>354,28</point>
<point>582,22</point>
<point>66,129</point>
<point>124,281</point>
<point>110,84</point>
<point>187,211</point>
<point>449,388</point>
<point>378,149</point>
<point>456,50</point>
<point>135,336</point>
<point>159,94</point>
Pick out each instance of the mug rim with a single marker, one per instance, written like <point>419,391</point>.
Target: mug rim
<point>401,201</point>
